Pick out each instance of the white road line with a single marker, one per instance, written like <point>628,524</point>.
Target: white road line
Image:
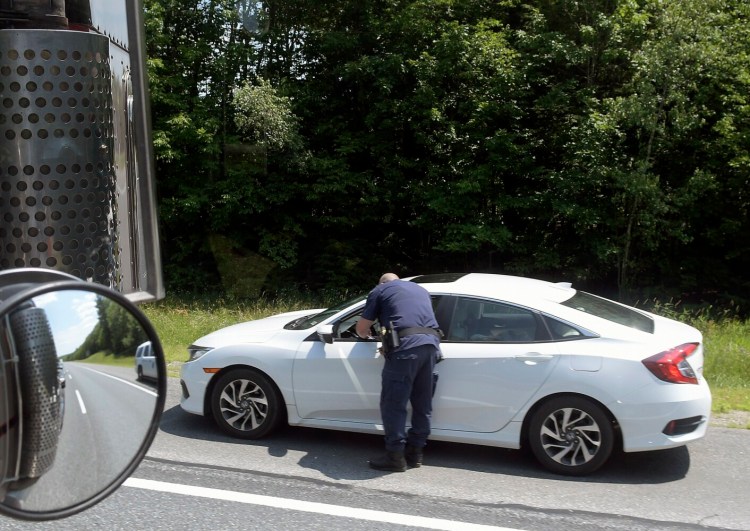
<point>80,402</point>
<point>149,391</point>
<point>311,507</point>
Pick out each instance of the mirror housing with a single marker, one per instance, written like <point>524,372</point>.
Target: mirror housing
<point>325,333</point>
<point>50,332</point>
<point>75,130</point>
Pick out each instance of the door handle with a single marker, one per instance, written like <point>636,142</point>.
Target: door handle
<point>532,358</point>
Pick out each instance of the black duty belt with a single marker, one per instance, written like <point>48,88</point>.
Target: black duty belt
<point>414,330</point>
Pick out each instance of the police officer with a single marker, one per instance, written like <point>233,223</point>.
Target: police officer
<point>408,371</point>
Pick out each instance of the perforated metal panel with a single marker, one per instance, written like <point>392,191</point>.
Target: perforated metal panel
<point>41,406</point>
<point>58,203</point>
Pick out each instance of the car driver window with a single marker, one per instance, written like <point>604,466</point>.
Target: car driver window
<point>346,328</point>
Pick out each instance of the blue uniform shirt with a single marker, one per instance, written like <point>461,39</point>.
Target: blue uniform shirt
<point>405,304</point>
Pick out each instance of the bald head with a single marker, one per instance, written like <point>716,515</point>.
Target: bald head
<point>388,277</point>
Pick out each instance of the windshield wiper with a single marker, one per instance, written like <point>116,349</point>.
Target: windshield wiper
<point>291,325</point>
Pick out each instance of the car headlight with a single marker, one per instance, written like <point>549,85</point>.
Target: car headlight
<point>196,352</point>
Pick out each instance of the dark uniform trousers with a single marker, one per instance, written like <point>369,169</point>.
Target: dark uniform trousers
<point>407,377</point>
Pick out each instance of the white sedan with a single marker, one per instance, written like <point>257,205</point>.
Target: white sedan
<point>527,362</point>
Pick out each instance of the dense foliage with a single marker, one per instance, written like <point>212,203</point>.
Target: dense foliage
<point>604,142</point>
<point>127,335</point>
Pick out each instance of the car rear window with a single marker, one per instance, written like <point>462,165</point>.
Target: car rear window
<point>610,310</point>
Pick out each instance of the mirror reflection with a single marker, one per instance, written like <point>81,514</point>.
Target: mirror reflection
<point>80,378</point>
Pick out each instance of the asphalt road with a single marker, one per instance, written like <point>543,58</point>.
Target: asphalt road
<point>196,478</point>
<point>106,418</point>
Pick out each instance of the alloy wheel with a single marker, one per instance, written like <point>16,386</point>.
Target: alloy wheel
<point>243,405</point>
<point>570,436</point>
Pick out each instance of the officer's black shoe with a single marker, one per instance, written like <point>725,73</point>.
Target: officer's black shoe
<point>413,456</point>
<point>391,462</point>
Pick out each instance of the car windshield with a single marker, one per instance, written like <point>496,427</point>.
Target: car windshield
<point>611,311</point>
<point>309,321</point>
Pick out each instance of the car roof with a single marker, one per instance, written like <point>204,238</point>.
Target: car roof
<point>521,290</point>
<point>539,295</point>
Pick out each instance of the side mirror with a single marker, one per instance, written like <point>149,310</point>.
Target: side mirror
<point>325,333</point>
<point>73,397</point>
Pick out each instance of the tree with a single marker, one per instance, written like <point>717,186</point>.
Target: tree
<point>604,141</point>
<point>195,50</point>
<point>629,93</point>
<point>117,333</point>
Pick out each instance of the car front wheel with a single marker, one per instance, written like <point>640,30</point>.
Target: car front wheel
<point>246,404</point>
<point>571,435</point>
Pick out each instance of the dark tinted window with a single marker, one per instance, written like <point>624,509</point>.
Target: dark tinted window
<point>440,278</point>
<point>443,306</point>
<point>479,320</point>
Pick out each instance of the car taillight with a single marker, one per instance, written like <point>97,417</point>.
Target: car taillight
<point>672,365</point>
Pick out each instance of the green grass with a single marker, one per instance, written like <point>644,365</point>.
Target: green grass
<point>181,320</point>
<point>727,363</point>
<point>108,359</point>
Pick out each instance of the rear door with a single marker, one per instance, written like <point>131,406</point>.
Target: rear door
<point>497,356</point>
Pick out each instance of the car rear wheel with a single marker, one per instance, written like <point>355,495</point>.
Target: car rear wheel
<point>140,373</point>
<point>246,404</point>
<point>571,435</point>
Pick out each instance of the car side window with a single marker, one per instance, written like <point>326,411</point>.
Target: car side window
<point>483,321</point>
<point>346,327</point>
<point>560,330</point>
<point>443,306</point>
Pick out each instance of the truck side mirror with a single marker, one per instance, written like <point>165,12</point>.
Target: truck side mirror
<point>72,397</point>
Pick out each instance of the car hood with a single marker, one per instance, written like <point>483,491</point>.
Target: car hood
<point>257,331</point>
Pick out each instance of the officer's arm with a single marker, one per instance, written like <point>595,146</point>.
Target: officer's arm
<point>363,327</point>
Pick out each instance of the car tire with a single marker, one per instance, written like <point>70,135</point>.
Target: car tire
<point>140,373</point>
<point>246,404</point>
<point>571,435</point>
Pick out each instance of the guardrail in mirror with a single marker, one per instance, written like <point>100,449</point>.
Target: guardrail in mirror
<point>78,408</point>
